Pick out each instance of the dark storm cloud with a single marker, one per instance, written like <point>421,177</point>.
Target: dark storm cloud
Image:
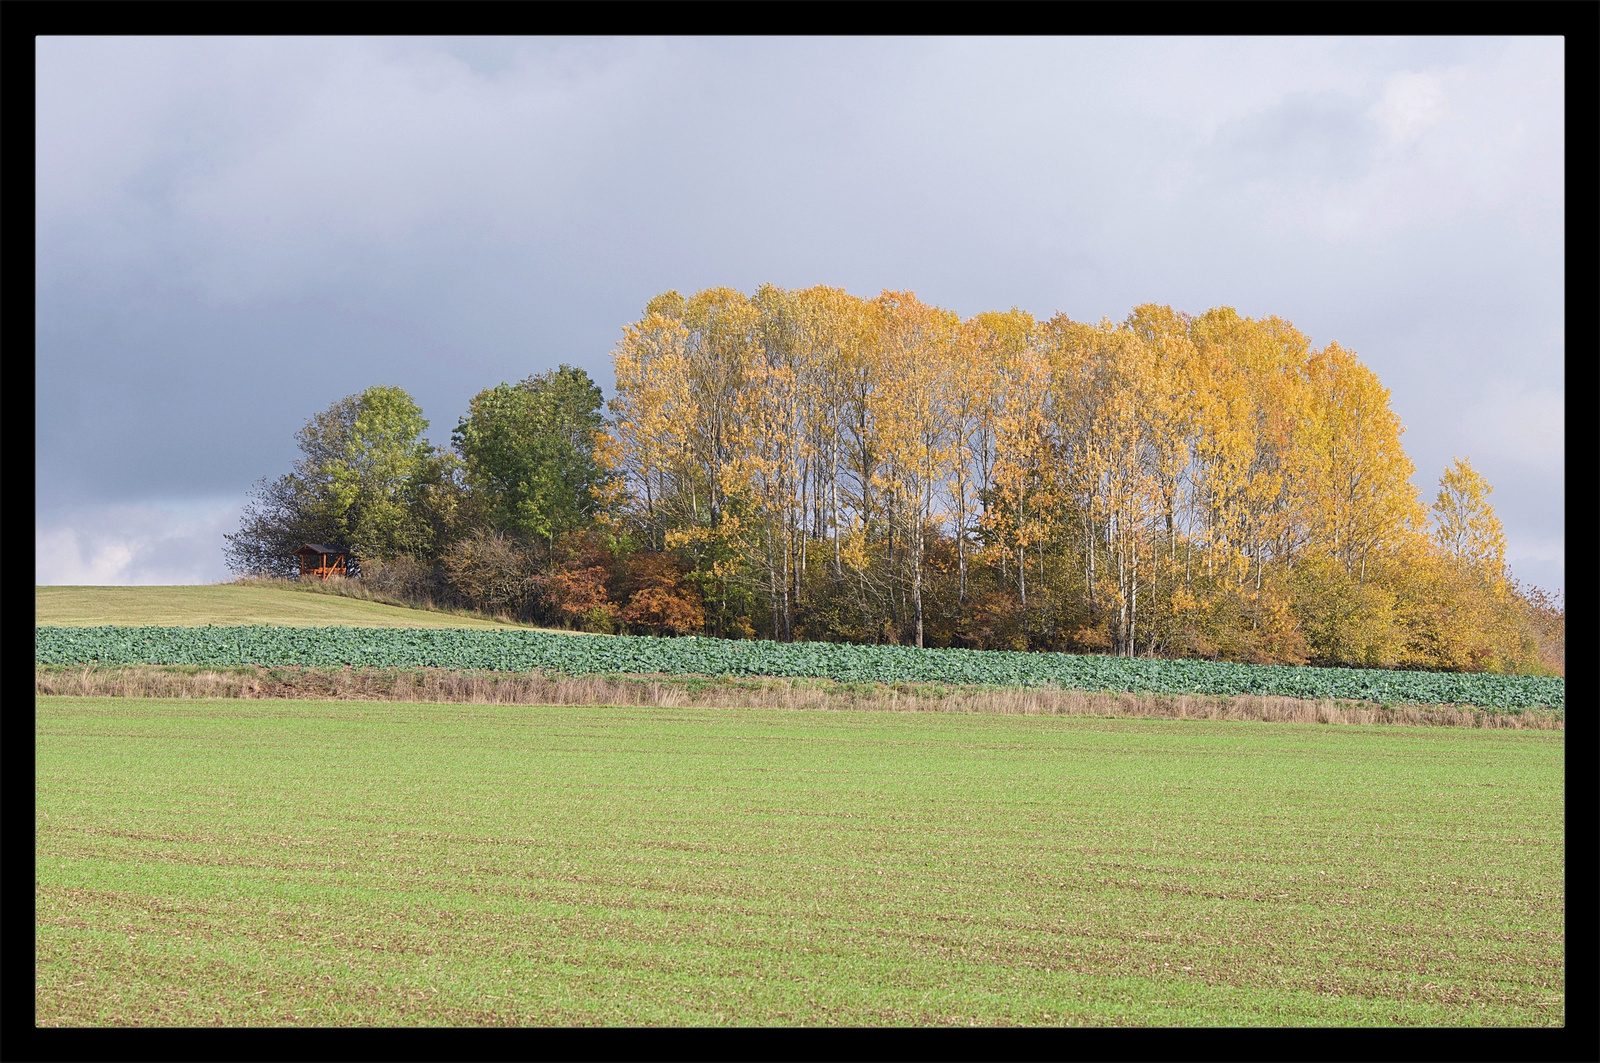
<point>235,233</point>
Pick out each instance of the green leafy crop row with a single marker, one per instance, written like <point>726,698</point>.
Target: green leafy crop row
<point>519,651</point>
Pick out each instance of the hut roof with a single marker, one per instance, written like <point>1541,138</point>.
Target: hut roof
<point>322,548</point>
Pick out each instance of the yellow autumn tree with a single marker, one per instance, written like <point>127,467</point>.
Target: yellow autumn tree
<point>1023,495</point>
<point>912,421</point>
<point>877,469</point>
<point>1458,603</point>
<point>1465,525</point>
<point>653,414</point>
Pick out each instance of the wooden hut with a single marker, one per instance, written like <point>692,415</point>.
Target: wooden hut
<point>322,560</point>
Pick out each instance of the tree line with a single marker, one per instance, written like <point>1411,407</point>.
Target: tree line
<point>813,465</point>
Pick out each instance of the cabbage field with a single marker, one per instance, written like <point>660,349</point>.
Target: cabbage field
<point>521,651</point>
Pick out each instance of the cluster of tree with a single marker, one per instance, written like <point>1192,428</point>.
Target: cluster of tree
<point>812,465</point>
<point>514,518</point>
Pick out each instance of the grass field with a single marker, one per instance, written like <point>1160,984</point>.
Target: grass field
<point>286,862</point>
<point>231,604</point>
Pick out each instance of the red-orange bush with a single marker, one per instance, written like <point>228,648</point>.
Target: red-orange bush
<point>573,591</point>
<point>660,601</point>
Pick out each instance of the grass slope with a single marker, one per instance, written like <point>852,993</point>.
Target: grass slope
<point>232,604</point>
<point>379,863</point>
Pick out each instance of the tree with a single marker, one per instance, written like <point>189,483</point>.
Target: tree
<point>1022,492</point>
<point>1465,526</point>
<point>490,571</point>
<point>573,588</point>
<point>529,452</point>
<point>1461,610</point>
<point>1348,621</point>
<point>367,465</point>
<point>1207,485</point>
<point>277,519</point>
<point>1363,506</point>
<point>652,415</point>
<point>366,479</point>
<point>660,602</point>
<point>1545,615</point>
<point>911,416</point>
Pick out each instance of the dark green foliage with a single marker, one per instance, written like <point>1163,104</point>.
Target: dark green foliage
<point>366,479</point>
<point>529,453</point>
<point>577,654</point>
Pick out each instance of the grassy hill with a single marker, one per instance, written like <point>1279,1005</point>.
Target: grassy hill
<point>288,604</point>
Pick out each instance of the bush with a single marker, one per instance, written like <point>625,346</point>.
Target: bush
<point>661,602</point>
<point>491,572</point>
<point>402,579</point>
<point>572,591</point>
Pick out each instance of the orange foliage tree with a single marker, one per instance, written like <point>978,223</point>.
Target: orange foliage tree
<point>829,467</point>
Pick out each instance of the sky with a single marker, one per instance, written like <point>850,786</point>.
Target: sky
<point>233,233</point>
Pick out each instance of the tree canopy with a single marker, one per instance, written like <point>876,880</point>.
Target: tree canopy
<point>807,464</point>
<point>529,452</point>
<point>366,479</point>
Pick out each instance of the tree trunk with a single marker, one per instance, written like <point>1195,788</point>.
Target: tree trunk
<point>1093,535</point>
<point>1133,605</point>
<point>961,540</point>
<point>833,506</point>
<point>788,567</point>
<point>916,594</point>
<point>772,585</point>
<point>1022,563</point>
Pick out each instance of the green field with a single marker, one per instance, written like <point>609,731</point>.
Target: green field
<point>231,604</point>
<point>283,862</point>
<point>458,649</point>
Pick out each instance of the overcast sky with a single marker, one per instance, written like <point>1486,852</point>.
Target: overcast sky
<point>234,233</point>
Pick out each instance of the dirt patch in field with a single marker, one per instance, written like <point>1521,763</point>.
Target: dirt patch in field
<point>499,688</point>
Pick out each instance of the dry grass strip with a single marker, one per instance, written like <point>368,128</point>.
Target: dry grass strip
<point>523,688</point>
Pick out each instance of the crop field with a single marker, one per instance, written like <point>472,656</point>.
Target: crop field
<point>526,650</point>
<point>231,604</point>
<point>278,863</point>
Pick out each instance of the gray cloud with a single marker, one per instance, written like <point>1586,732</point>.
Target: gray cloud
<point>160,543</point>
<point>233,233</point>
<point>1326,137</point>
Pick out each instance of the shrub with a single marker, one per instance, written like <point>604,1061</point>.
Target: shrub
<point>490,572</point>
<point>572,591</point>
<point>661,602</point>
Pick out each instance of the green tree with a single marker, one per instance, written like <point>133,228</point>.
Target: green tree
<point>369,470</point>
<point>366,479</point>
<point>278,517</point>
<point>528,452</point>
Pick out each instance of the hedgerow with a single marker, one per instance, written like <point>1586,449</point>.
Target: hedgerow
<point>521,651</point>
